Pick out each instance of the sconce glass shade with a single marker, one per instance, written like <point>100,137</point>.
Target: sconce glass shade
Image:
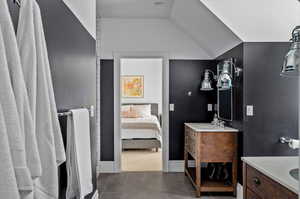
<point>292,59</point>
<point>225,80</point>
<point>206,83</point>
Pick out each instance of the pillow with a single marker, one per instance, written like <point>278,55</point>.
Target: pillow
<point>141,111</point>
<point>126,111</point>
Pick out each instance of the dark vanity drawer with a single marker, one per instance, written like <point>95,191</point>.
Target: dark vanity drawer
<point>251,195</point>
<point>260,184</point>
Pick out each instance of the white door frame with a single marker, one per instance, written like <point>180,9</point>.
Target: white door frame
<point>117,104</point>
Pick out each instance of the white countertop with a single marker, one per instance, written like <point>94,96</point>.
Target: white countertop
<point>207,127</point>
<point>276,168</point>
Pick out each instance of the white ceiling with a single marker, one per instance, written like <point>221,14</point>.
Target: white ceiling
<point>214,25</point>
<point>134,8</point>
<point>258,20</point>
<point>86,13</point>
<point>203,26</point>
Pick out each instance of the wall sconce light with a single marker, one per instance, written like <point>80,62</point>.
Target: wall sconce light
<point>292,59</point>
<point>206,84</point>
<point>225,77</point>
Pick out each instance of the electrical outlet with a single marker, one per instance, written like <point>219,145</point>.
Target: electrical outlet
<point>249,110</point>
<point>209,107</point>
<point>172,107</point>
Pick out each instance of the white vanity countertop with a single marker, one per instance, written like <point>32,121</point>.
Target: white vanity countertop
<point>276,168</point>
<point>207,127</point>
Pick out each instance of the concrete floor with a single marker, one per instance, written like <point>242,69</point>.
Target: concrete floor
<point>148,185</point>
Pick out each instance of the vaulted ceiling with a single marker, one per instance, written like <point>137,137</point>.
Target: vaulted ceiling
<point>258,20</point>
<point>134,8</point>
<point>214,25</point>
<point>85,12</point>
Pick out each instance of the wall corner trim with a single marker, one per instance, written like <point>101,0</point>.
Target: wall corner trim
<point>106,167</point>
<point>96,195</point>
<point>239,194</point>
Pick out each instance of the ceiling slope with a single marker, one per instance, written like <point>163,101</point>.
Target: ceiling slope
<point>147,35</point>
<point>258,20</point>
<point>134,8</point>
<point>203,26</point>
<point>85,12</point>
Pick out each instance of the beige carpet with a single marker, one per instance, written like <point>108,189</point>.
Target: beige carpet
<point>141,160</point>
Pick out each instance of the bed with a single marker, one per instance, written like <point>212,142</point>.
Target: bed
<point>141,132</point>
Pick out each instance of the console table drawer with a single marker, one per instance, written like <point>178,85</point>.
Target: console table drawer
<point>191,142</point>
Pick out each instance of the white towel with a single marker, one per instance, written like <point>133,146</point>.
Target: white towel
<point>59,146</point>
<point>20,92</point>
<point>79,166</point>
<point>8,182</point>
<point>26,44</point>
<point>48,130</point>
<point>12,120</point>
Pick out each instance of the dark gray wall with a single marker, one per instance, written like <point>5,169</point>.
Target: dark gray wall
<point>275,100</point>
<point>185,76</point>
<point>107,110</point>
<point>72,59</point>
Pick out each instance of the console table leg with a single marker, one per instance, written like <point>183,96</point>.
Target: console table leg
<point>198,178</point>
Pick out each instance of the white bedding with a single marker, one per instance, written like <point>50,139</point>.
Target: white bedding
<point>141,133</point>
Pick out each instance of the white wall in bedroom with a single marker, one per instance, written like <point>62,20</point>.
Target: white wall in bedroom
<point>151,69</point>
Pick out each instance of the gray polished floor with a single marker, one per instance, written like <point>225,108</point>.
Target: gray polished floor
<point>147,185</point>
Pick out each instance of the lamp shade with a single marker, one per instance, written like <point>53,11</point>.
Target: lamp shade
<point>206,83</point>
<point>225,80</point>
<point>292,59</point>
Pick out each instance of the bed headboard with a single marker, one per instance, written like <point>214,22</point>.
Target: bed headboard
<point>154,107</point>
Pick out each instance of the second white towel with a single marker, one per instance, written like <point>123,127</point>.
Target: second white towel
<point>79,166</point>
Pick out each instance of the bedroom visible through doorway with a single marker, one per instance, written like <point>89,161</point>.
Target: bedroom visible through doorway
<point>141,114</point>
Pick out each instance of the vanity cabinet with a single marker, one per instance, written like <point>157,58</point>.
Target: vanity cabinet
<point>210,146</point>
<point>258,186</point>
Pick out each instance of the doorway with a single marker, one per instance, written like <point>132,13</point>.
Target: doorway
<point>141,112</point>
<point>141,131</point>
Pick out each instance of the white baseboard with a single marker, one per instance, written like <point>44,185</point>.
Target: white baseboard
<point>106,167</point>
<point>239,193</point>
<point>178,165</point>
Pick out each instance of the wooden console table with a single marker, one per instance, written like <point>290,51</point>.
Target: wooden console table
<point>208,144</point>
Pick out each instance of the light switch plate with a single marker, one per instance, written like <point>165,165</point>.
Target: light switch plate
<point>172,107</point>
<point>209,107</point>
<point>249,110</point>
